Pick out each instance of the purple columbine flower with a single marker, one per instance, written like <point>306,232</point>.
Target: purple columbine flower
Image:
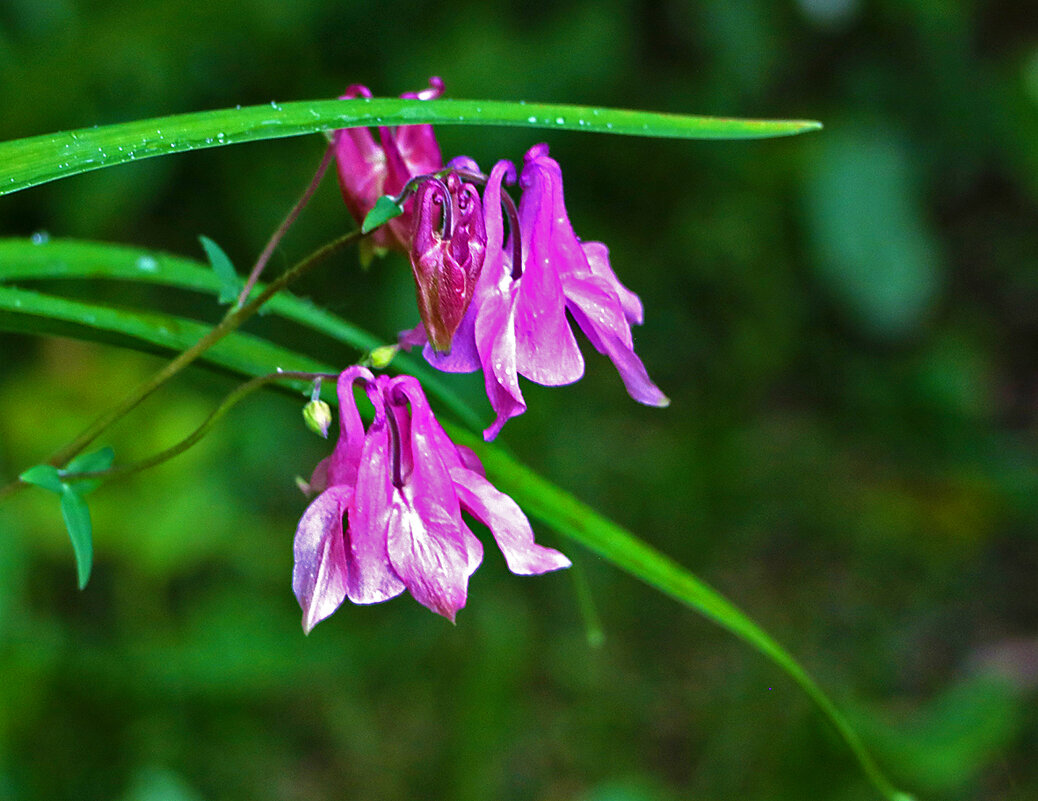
<point>388,517</point>
<point>516,324</point>
<point>447,251</point>
<point>367,170</point>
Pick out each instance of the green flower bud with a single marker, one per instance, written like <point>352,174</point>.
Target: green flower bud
<point>382,356</point>
<point>318,416</point>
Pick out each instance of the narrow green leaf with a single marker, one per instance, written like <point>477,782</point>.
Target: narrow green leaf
<point>230,283</point>
<point>38,159</point>
<point>384,210</point>
<point>44,475</point>
<point>165,332</point>
<point>77,521</point>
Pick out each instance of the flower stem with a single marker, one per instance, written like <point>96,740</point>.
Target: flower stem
<point>225,406</point>
<point>282,229</point>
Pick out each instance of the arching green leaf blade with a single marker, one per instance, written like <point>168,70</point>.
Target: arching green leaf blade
<point>38,159</point>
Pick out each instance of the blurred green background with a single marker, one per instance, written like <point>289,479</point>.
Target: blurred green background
<point>845,322</point>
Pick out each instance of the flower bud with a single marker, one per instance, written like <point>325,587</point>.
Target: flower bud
<point>380,357</point>
<point>318,416</point>
<point>447,252</point>
<point>368,168</point>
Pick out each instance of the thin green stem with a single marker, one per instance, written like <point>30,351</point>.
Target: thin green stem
<point>225,406</point>
<point>282,229</point>
<point>586,603</point>
<point>231,321</point>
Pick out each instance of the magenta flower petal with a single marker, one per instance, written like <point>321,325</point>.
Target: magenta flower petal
<point>546,350</point>
<point>598,262</point>
<point>496,340</point>
<point>468,460</point>
<point>473,549</point>
<point>430,556</point>
<point>426,540</point>
<point>598,313</point>
<point>342,467</point>
<point>320,574</point>
<point>367,170</point>
<point>416,144</point>
<point>495,337</point>
<point>371,576</point>
<point>507,523</point>
<point>360,163</point>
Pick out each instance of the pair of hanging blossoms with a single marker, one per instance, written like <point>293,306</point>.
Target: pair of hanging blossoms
<point>388,516</point>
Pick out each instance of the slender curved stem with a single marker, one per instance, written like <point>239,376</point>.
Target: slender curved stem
<point>282,229</point>
<point>225,406</point>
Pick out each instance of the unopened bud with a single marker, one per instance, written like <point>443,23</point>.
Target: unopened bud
<point>447,252</point>
<point>318,416</point>
<point>381,357</point>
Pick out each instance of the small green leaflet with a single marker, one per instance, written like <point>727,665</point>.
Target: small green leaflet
<point>73,505</point>
<point>44,475</point>
<point>230,283</point>
<point>385,209</point>
<point>90,462</point>
<point>77,521</point>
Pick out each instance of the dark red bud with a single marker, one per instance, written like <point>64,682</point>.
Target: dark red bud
<point>447,252</point>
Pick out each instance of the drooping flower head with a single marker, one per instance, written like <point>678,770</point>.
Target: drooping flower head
<point>367,170</point>
<point>516,323</point>
<point>447,252</point>
<point>388,517</point>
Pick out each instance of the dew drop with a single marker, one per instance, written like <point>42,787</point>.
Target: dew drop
<point>560,121</point>
<point>40,238</point>
<point>147,264</point>
<point>531,119</point>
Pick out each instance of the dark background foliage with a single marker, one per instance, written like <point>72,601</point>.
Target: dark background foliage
<point>845,323</point>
